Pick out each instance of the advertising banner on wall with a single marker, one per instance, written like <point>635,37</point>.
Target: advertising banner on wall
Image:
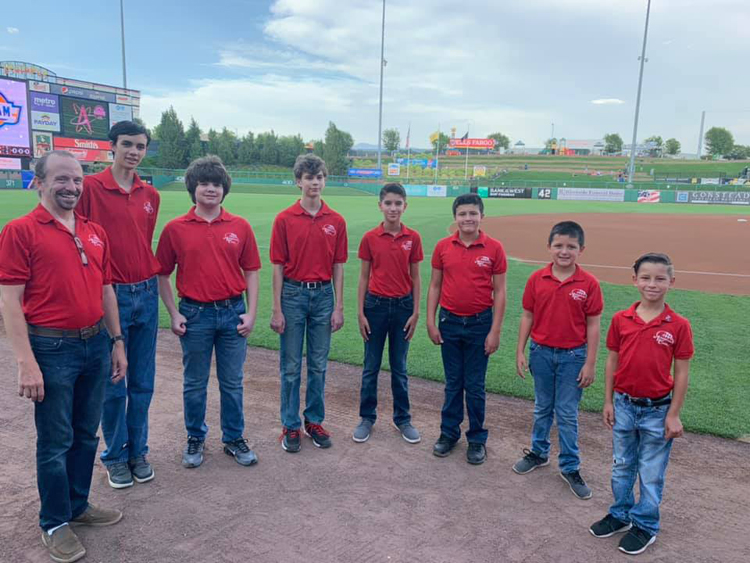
<point>42,143</point>
<point>591,194</point>
<point>394,169</point>
<point>119,112</point>
<point>472,143</point>
<point>86,150</point>
<point>35,86</point>
<point>365,172</point>
<point>480,171</point>
<point>437,191</point>
<point>84,119</point>
<point>15,139</point>
<point>511,193</point>
<point>10,163</point>
<point>83,93</point>
<point>649,196</point>
<point>724,198</point>
<point>45,112</point>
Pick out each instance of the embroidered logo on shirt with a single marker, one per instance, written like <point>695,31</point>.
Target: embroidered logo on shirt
<point>329,229</point>
<point>231,238</point>
<point>578,295</point>
<point>148,208</point>
<point>664,338</point>
<point>483,261</point>
<point>407,245</point>
<point>95,240</point>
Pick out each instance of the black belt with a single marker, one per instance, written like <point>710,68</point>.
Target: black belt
<point>220,304</point>
<point>81,333</point>
<point>646,402</point>
<point>308,285</point>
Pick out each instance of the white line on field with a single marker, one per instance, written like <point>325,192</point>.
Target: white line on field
<point>630,268</point>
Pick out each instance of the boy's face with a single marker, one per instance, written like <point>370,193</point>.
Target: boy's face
<point>130,150</point>
<point>312,184</point>
<point>564,250</point>
<point>209,194</point>
<point>653,281</point>
<point>392,206</point>
<point>468,218</point>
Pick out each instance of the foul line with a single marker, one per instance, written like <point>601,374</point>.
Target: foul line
<point>630,268</point>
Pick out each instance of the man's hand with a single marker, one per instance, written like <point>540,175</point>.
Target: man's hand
<point>434,334</point>
<point>410,327</point>
<point>278,322</point>
<point>491,343</point>
<point>30,381</point>
<point>521,366</point>
<point>337,320</point>
<point>179,324</point>
<point>364,327</point>
<point>672,427</point>
<point>119,362</point>
<point>586,377</point>
<point>608,415</point>
<point>247,325</point>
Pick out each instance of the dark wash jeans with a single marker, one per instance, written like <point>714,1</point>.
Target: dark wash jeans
<point>387,318</point>
<point>465,365</point>
<point>75,373</point>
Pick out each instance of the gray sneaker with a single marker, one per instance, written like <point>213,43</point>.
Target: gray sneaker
<point>577,485</point>
<point>141,469</point>
<point>119,475</point>
<point>409,433</point>
<point>362,431</point>
<point>529,462</point>
<point>241,452</point>
<point>192,455</point>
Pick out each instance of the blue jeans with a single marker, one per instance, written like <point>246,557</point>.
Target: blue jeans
<point>465,365</point>
<point>210,327</point>
<point>306,311</point>
<point>556,395</point>
<point>387,318</point>
<point>125,413</point>
<point>639,450</point>
<point>75,372</point>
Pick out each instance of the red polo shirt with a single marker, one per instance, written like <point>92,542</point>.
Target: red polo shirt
<point>467,272</point>
<point>210,257</point>
<point>560,308</point>
<point>37,251</point>
<point>647,350</point>
<point>390,258</point>
<point>308,246</point>
<point>129,220</point>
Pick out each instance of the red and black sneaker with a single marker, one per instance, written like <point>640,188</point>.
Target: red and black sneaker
<point>290,440</point>
<point>320,436</point>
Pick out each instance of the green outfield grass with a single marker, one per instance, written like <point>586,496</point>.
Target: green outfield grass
<point>717,400</point>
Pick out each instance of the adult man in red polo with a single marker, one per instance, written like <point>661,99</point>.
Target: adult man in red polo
<point>56,298</point>
<point>127,208</point>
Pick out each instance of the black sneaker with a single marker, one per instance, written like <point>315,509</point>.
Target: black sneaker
<point>609,526</point>
<point>290,440</point>
<point>119,475</point>
<point>141,469</point>
<point>529,462</point>
<point>577,485</point>
<point>241,452</point>
<point>320,436</point>
<point>476,454</point>
<point>443,446</point>
<point>636,541</point>
<point>192,454</point>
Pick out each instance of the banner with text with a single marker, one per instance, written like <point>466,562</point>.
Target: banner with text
<point>42,143</point>
<point>722,198</point>
<point>510,193</point>
<point>591,194</point>
<point>119,112</point>
<point>472,143</point>
<point>365,172</point>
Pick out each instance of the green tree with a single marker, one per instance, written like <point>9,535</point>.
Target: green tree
<point>391,139</point>
<point>739,152</point>
<point>172,145</point>
<point>290,147</point>
<point>246,153</point>
<point>444,140</point>
<point>336,147</point>
<point>227,147</point>
<point>193,141</point>
<point>612,143</point>
<point>142,123</point>
<point>212,147</point>
<point>658,145</point>
<point>268,149</point>
<point>719,141</point>
<point>672,146</point>
<point>501,141</point>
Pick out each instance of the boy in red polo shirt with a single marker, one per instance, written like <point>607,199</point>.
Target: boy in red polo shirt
<point>562,307</point>
<point>468,281</point>
<point>217,262</point>
<point>645,342</point>
<point>388,298</point>
<point>308,250</point>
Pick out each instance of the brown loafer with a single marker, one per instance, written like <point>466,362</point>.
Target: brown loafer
<point>96,516</point>
<point>63,545</point>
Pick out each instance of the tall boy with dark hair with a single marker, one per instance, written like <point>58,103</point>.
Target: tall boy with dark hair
<point>217,262</point>
<point>645,343</point>
<point>308,251</point>
<point>388,301</point>
<point>127,208</point>
<point>562,307</point>
<point>468,281</point>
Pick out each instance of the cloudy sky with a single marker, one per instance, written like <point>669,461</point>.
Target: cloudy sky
<point>514,66</point>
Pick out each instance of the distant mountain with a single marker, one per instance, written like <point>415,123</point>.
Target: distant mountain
<point>365,147</point>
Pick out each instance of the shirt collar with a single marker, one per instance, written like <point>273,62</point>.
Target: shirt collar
<point>481,240</point>
<point>575,276</point>
<point>405,231</point>
<point>297,209</point>
<point>41,214</point>
<point>193,216</point>
<point>666,316</point>
<point>111,183</point>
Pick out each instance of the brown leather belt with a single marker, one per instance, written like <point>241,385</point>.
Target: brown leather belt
<point>81,333</point>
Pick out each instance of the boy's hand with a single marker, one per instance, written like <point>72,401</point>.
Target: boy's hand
<point>672,427</point>
<point>179,324</point>
<point>586,377</point>
<point>337,320</point>
<point>434,334</point>
<point>608,414</point>
<point>521,366</point>
<point>278,322</point>
<point>410,327</point>
<point>491,343</point>
<point>247,325</point>
<point>364,327</point>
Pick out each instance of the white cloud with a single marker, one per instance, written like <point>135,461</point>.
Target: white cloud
<point>12,30</point>
<point>607,101</point>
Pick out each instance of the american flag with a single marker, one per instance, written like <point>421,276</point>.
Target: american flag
<point>648,196</point>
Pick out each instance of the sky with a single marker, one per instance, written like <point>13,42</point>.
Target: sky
<point>513,66</point>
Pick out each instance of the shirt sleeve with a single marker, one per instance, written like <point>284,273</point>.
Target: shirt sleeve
<point>529,294</point>
<point>342,245</point>
<point>437,259</point>
<point>165,252</point>
<point>613,335</point>
<point>595,303</point>
<point>84,203</point>
<point>364,252</point>
<point>279,250</point>
<point>684,349</point>
<point>106,259</point>
<point>250,259</point>
<point>417,254</point>
<point>501,262</point>
<point>15,258</point>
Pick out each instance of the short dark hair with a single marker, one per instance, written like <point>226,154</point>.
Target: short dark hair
<point>127,128</point>
<point>207,168</point>
<point>309,164</point>
<point>468,199</point>
<point>40,168</point>
<point>392,188</point>
<point>567,228</point>
<point>654,258</point>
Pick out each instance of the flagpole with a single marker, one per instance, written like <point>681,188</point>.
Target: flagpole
<point>408,152</point>
<point>437,155</point>
<point>466,166</point>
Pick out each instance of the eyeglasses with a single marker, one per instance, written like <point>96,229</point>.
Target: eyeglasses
<point>82,252</point>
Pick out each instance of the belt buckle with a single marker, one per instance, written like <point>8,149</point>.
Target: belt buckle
<point>311,285</point>
<point>88,332</point>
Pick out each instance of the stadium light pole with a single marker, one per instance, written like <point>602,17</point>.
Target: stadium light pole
<point>380,110</point>
<point>700,134</point>
<point>122,36</point>
<point>642,58</point>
